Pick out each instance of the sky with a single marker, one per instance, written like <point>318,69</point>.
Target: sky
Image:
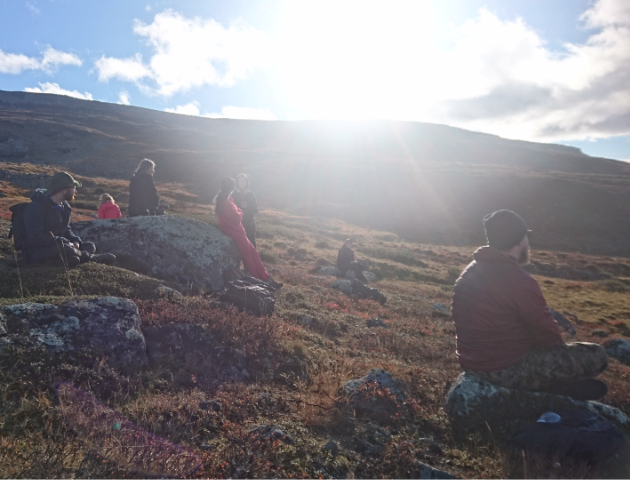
<point>553,71</point>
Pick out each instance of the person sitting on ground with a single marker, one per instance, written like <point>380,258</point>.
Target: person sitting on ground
<point>230,223</point>
<point>245,200</point>
<point>346,261</point>
<point>506,334</point>
<point>143,197</point>
<point>47,227</point>
<point>108,208</point>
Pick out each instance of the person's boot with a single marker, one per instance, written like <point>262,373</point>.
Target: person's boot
<point>273,284</point>
<point>103,258</point>
<point>587,389</point>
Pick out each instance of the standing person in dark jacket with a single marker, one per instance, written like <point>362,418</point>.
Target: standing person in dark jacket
<point>246,201</point>
<point>506,334</point>
<point>47,227</point>
<point>346,261</point>
<point>143,197</point>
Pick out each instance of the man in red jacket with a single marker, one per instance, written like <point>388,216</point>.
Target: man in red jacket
<point>506,334</point>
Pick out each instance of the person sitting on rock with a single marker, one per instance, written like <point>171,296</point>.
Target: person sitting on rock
<point>230,222</point>
<point>47,227</point>
<point>108,208</point>
<point>506,334</point>
<point>143,197</point>
<point>245,200</point>
<point>346,261</point>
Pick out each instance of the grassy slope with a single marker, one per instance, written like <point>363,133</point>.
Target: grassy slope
<point>298,388</point>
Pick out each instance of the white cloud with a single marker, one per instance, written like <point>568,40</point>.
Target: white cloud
<point>519,88</point>
<point>190,53</point>
<point>57,90</point>
<point>191,108</point>
<point>243,113</point>
<point>240,113</point>
<point>129,69</point>
<point>51,59</point>
<point>124,98</point>
<point>33,8</point>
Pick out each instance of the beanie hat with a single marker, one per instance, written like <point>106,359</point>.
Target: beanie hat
<point>61,181</point>
<point>504,229</point>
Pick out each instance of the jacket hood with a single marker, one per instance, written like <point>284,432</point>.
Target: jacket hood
<point>39,195</point>
<point>491,254</point>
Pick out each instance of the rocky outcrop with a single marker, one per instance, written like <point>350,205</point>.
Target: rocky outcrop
<point>109,324</point>
<point>188,252</point>
<point>618,348</point>
<point>474,404</point>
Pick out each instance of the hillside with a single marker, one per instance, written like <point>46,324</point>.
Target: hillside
<point>297,365</point>
<point>430,183</point>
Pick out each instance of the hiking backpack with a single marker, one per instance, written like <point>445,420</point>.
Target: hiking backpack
<point>17,231</point>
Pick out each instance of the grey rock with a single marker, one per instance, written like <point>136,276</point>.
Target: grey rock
<point>332,447</point>
<point>344,286</point>
<point>599,332</point>
<point>109,324</point>
<point>306,320</point>
<point>440,307</point>
<point>427,472</point>
<point>329,270</point>
<point>322,262</point>
<point>166,292</point>
<point>618,348</point>
<point>271,433</point>
<point>362,393</point>
<point>188,252</point>
<point>370,277</point>
<point>376,322</point>
<point>3,326</point>
<point>473,404</point>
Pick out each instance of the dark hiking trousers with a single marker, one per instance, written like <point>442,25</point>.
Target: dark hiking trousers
<point>64,254</point>
<point>250,230</point>
<point>544,368</point>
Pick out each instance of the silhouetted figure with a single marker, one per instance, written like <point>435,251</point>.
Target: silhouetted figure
<point>506,334</point>
<point>108,208</point>
<point>346,261</point>
<point>143,197</point>
<point>47,227</point>
<point>246,201</point>
<point>230,223</point>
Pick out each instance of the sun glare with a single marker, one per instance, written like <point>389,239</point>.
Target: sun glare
<point>356,59</point>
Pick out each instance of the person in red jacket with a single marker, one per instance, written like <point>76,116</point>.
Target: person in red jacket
<point>108,208</point>
<point>231,223</point>
<point>506,333</point>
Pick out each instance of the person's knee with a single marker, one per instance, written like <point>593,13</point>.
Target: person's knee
<point>88,247</point>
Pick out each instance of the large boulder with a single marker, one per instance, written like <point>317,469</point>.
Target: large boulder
<point>109,324</point>
<point>187,252</point>
<point>475,405</point>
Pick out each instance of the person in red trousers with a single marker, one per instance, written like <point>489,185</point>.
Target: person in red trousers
<point>231,223</point>
<point>108,208</point>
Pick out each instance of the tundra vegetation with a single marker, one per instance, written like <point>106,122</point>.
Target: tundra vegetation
<point>298,359</point>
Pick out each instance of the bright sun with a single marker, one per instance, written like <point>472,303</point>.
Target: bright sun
<point>357,59</point>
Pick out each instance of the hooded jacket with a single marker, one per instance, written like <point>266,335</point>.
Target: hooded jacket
<point>143,197</point>
<point>500,313</point>
<point>44,225</point>
<point>240,196</point>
